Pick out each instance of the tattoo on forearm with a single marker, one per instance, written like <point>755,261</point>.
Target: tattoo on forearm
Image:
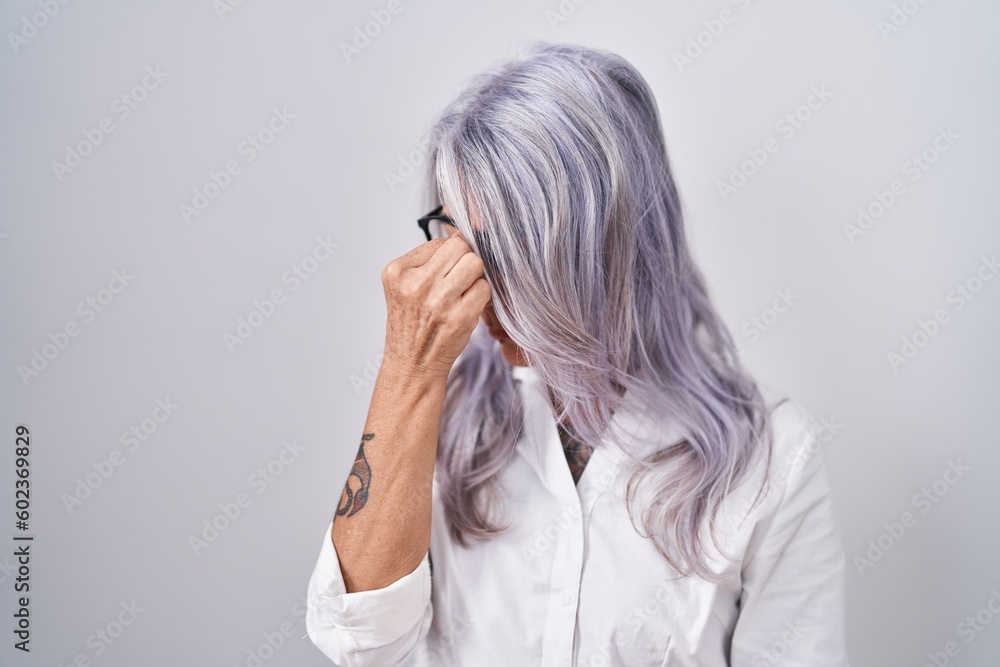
<point>361,476</point>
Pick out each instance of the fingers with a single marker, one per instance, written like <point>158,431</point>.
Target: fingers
<point>447,267</point>
<point>418,256</point>
<point>419,259</point>
<point>477,296</point>
<point>466,271</point>
<point>447,255</point>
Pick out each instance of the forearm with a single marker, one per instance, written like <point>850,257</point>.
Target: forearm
<point>382,527</point>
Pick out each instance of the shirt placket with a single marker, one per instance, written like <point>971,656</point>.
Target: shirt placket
<point>564,583</point>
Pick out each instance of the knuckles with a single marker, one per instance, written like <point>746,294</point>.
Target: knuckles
<point>476,262</point>
<point>390,274</point>
<point>417,289</point>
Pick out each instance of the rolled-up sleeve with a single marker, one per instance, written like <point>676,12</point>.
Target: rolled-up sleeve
<point>377,627</point>
<point>792,602</point>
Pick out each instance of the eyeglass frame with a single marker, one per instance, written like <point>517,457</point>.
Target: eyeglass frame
<point>436,214</point>
<point>424,222</point>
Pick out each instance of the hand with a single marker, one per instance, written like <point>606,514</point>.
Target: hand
<point>434,297</point>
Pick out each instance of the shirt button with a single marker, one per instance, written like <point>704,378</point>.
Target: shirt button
<point>567,599</point>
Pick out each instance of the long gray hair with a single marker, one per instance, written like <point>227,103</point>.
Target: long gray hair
<point>555,169</point>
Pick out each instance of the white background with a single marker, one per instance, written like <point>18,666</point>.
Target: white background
<point>300,375</point>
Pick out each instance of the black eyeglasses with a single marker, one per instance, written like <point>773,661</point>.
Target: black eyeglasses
<point>435,225</point>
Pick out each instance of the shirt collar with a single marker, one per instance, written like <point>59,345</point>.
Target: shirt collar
<point>540,443</point>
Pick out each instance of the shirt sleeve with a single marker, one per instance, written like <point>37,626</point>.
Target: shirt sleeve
<point>792,600</point>
<point>377,627</point>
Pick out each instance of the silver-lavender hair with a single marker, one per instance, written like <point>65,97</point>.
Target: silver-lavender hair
<point>555,169</point>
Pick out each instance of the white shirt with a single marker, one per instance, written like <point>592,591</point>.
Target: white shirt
<point>573,583</point>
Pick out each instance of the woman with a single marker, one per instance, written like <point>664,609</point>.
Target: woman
<point>610,487</point>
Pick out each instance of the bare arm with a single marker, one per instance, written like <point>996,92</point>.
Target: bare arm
<point>434,297</point>
<point>382,528</point>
